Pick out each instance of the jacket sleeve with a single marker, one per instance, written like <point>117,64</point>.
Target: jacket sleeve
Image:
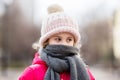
<point>90,74</point>
<point>27,74</point>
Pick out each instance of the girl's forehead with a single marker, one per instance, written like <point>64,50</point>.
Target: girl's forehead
<point>64,34</point>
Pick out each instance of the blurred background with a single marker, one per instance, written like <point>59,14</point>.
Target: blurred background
<point>99,23</point>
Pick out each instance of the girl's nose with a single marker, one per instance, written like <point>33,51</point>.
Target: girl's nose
<point>64,43</point>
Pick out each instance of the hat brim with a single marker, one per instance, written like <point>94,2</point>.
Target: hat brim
<point>70,30</point>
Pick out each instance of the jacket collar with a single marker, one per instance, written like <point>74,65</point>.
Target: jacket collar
<point>37,59</point>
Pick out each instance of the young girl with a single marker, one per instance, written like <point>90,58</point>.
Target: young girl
<point>58,57</point>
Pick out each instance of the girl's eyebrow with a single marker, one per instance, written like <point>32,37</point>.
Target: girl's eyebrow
<point>60,36</point>
<point>70,37</point>
<point>56,36</point>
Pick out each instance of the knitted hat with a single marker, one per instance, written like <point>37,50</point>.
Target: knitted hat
<point>57,22</point>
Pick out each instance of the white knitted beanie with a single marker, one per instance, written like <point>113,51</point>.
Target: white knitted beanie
<point>57,22</point>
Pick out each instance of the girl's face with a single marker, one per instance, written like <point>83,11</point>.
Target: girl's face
<point>62,39</point>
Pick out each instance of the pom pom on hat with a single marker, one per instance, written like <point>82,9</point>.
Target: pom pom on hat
<point>55,8</point>
<point>57,22</point>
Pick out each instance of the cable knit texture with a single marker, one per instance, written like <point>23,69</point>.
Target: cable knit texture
<point>56,23</point>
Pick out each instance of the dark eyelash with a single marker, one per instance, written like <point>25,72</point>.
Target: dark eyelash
<point>57,38</point>
<point>70,39</point>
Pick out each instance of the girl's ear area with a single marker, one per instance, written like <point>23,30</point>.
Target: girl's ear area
<point>78,45</point>
<point>46,43</point>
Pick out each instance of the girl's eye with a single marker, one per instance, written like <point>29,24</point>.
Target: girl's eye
<point>69,40</point>
<point>58,39</point>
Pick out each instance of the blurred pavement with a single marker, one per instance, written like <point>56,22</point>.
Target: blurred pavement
<point>105,74</point>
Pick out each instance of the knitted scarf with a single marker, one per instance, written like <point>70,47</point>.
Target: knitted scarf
<point>60,58</point>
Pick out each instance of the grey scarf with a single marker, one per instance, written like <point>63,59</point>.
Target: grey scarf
<point>60,58</point>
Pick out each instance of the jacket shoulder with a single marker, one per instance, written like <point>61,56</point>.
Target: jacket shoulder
<point>27,74</point>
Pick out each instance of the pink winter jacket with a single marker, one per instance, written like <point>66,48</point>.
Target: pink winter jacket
<point>37,70</point>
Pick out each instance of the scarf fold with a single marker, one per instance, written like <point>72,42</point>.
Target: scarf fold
<point>61,58</point>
